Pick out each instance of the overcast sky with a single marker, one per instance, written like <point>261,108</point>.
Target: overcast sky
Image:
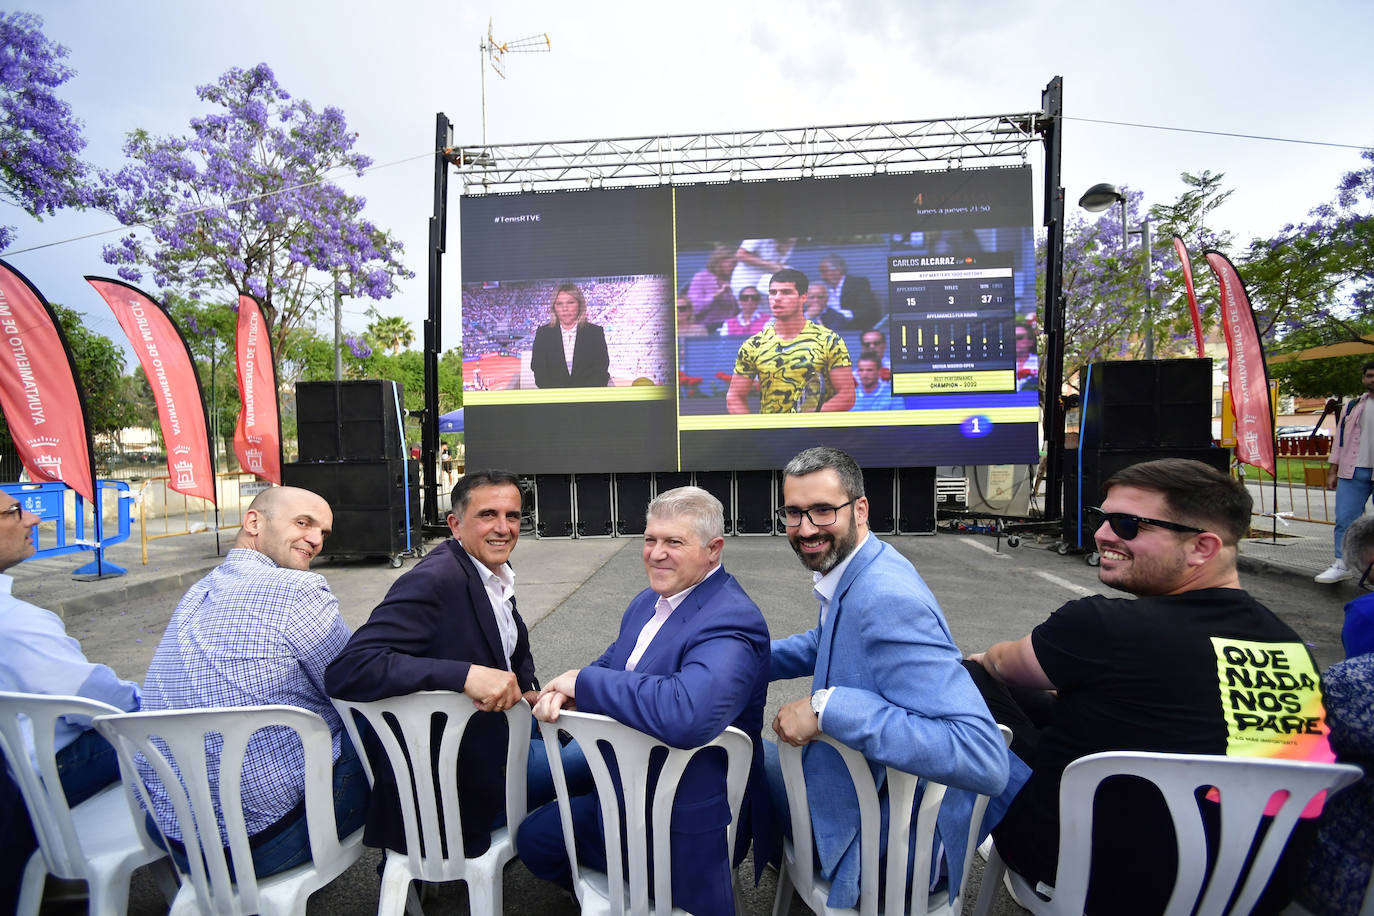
<point>1263,67</point>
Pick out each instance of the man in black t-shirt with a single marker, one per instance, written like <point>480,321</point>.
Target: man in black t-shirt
<point>1192,665</point>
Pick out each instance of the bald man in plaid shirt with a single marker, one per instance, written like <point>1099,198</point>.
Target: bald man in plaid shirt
<point>260,629</point>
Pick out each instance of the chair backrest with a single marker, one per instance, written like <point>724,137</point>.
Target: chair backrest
<point>405,726</point>
<point>901,789</point>
<point>603,740</point>
<point>42,788</point>
<point>175,745</point>
<point>1245,787</point>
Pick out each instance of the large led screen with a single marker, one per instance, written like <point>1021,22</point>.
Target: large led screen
<point>728,326</point>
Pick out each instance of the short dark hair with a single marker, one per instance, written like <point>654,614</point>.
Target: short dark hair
<point>793,276</point>
<point>869,355</point>
<point>1195,493</point>
<point>821,457</point>
<point>488,477</point>
<point>1369,366</point>
<point>873,331</point>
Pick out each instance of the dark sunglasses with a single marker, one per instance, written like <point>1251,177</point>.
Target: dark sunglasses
<point>1127,526</point>
<point>750,298</point>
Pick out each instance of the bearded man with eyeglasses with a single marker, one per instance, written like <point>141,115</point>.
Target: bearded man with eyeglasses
<point>1192,665</point>
<point>885,674</point>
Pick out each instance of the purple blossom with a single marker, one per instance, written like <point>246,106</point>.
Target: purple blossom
<point>359,347</point>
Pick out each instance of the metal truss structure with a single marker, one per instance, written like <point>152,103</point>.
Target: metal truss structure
<point>799,152</point>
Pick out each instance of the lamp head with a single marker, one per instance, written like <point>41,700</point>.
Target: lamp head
<point>1099,197</point>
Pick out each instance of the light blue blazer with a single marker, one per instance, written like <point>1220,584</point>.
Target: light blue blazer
<point>902,699</point>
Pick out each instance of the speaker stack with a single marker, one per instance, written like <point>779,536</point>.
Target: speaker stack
<point>1137,411</point>
<point>352,454</point>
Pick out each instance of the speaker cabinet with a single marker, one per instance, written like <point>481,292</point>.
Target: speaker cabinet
<point>631,499</point>
<point>754,502</point>
<point>880,488</point>
<point>592,494</point>
<point>916,500</point>
<point>671,480</point>
<point>376,504</point>
<point>718,484</point>
<point>553,506</point>
<point>349,421</point>
<point>1145,404</point>
<point>1086,472</point>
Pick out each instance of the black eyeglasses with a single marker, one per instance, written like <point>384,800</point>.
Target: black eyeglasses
<point>17,510</point>
<point>1127,526</point>
<point>820,516</point>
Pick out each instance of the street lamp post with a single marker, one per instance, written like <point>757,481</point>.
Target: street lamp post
<point>1098,198</point>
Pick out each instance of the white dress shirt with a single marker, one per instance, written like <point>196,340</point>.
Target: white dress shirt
<point>500,586</point>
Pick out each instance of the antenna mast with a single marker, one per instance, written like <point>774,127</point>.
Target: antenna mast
<point>492,51</point>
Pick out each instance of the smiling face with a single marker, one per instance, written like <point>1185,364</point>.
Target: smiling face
<point>1155,561</point>
<point>674,557</point>
<point>490,525</point>
<point>289,529</point>
<point>16,527</point>
<point>567,308</point>
<point>822,548</point>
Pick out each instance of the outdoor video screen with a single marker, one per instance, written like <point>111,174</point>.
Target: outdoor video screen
<point>729,326</point>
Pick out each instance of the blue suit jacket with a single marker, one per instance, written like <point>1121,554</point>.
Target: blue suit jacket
<point>434,624</point>
<point>901,699</point>
<point>707,668</point>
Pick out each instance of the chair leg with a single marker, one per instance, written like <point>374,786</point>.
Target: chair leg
<point>782,901</point>
<point>992,881</point>
<point>484,896</point>
<point>397,894</point>
<point>31,885</point>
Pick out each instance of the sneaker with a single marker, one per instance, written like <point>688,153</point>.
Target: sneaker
<point>1336,572</point>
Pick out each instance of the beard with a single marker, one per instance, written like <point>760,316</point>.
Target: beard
<point>839,548</point>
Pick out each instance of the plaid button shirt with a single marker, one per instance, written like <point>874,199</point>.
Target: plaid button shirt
<point>250,633</point>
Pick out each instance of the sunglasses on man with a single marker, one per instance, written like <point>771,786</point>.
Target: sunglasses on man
<point>1127,526</point>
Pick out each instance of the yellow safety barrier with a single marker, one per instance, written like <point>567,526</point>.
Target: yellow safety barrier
<point>158,501</point>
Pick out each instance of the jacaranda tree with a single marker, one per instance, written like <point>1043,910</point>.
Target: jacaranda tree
<point>244,204</point>
<point>40,140</point>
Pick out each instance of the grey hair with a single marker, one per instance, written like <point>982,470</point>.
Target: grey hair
<point>822,457</point>
<point>704,511</point>
<point>1358,546</point>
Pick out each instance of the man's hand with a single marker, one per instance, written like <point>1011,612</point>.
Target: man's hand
<point>1332,476</point>
<point>558,694</point>
<point>976,658</point>
<point>796,724</point>
<point>491,689</point>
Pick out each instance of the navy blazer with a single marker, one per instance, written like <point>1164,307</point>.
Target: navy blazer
<point>856,296</point>
<point>434,624</point>
<point>591,362</point>
<point>707,668</point>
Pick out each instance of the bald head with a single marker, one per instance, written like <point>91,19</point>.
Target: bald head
<point>288,525</point>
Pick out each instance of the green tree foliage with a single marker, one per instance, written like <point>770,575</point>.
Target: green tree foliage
<point>389,332</point>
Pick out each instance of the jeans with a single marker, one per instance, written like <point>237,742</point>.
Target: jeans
<point>1351,496</point>
<point>85,766</point>
<point>286,844</point>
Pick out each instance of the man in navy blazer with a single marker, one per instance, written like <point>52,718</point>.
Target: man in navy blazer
<point>887,678</point>
<point>853,304</point>
<point>450,624</point>
<point>691,659</point>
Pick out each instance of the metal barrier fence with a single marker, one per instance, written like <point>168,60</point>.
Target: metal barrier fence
<point>176,511</point>
<point>49,501</point>
<point>1300,496</point>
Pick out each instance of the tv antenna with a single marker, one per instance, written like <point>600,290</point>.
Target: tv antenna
<point>493,52</point>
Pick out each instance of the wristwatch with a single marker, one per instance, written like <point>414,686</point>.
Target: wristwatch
<point>818,700</point>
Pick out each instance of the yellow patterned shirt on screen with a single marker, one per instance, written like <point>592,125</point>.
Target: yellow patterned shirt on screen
<point>793,375</point>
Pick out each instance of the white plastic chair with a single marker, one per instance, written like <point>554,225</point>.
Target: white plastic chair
<point>602,739</point>
<point>97,841</point>
<point>179,736</point>
<point>798,865</point>
<point>1245,786</point>
<point>404,725</point>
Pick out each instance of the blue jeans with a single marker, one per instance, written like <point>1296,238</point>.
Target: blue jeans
<point>1351,496</point>
<point>287,842</point>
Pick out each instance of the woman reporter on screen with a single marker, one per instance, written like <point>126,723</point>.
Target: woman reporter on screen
<point>569,351</point>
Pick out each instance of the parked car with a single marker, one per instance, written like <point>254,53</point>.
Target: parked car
<point>1300,432</point>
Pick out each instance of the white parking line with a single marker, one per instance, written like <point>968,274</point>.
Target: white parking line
<point>984,547</point>
<point>1065,584</point>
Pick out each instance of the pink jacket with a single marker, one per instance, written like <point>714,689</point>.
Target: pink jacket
<point>1347,444</point>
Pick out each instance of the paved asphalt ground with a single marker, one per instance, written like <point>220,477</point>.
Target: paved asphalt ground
<point>572,593</point>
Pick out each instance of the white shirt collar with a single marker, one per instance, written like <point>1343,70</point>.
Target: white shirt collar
<point>676,600</point>
<point>825,585</point>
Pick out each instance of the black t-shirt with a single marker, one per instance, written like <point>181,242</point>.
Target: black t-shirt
<point>1195,673</point>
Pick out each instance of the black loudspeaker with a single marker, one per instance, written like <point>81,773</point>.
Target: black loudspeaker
<point>1086,489</point>
<point>369,503</point>
<point>916,500</point>
<point>631,499</point>
<point>717,483</point>
<point>1148,404</point>
<point>592,493</point>
<point>349,421</point>
<point>754,502</point>
<point>553,505</point>
<point>879,487</point>
<point>671,480</point>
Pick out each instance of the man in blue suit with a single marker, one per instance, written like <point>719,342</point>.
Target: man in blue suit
<point>887,677</point>
<point>691,659</point>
